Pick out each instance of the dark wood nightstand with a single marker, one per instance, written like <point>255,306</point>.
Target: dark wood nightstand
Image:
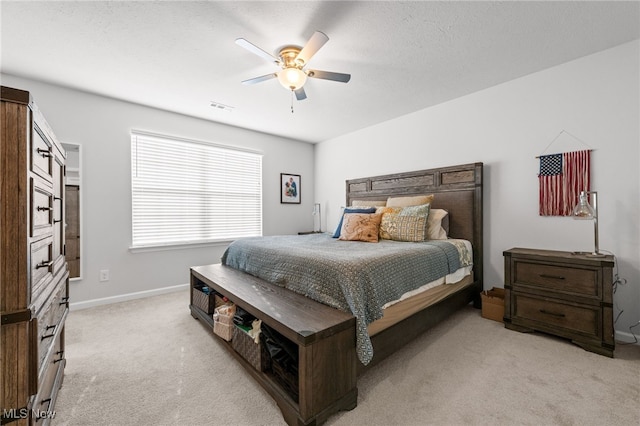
<point>561,293</point>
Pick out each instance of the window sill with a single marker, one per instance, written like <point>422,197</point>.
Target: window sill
<point>179,246</point>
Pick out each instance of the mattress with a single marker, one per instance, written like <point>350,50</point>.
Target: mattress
<point>352,276</point>
<point>414,302</point>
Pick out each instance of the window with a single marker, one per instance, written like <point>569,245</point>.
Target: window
<point>187,192</point>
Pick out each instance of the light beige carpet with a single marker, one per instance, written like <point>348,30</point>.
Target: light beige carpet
<point>148,362</point>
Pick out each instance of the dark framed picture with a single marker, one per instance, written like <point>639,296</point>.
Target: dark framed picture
<point>289,188</point>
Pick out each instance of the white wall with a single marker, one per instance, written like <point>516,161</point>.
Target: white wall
<point>102,126</point>
<point>595,99</point>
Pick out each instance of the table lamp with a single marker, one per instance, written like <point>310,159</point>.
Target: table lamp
<point>584,211</point>
<point>316,212</point>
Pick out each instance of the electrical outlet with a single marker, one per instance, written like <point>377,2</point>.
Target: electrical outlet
<point>104,275</point>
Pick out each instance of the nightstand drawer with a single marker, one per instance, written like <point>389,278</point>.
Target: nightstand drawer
<point>547,313</point>
<point>583,282</point>
<point>562,293</point>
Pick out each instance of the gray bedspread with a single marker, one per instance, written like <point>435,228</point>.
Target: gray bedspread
<point>353,276</point>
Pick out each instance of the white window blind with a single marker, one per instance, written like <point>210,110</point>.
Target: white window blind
<point>192,192</point>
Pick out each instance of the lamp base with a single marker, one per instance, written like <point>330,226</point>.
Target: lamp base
<point>588,254</point>
<point>596,255</point>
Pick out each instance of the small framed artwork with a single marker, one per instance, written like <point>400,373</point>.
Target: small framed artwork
<point>289,188</point>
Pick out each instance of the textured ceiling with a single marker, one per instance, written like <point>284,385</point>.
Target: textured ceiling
<point>403,56</point>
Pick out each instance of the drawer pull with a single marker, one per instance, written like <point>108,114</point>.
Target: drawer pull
<point>64,300</point>
<point>555,314</point>
<point>44,264</point>
<point>44,152</point>
<point>553,277</point>
<point>61,354</point>
<point>48,336</point>
<point>46,401</point>
<point>44,209</point>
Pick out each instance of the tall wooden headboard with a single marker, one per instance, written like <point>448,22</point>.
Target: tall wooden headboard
<point>457,189</point>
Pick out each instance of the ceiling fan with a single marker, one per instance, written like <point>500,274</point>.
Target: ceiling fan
<point>292,60</point>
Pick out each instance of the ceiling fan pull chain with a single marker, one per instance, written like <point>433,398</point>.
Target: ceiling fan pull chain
<point>292,102</point>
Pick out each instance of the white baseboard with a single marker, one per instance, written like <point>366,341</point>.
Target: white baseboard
<point>620,336</point>
<point>124,297</point>
<point>625,337</point>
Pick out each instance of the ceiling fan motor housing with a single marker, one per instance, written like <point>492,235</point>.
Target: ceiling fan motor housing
<point>291,77</point>
<point>288,56</point>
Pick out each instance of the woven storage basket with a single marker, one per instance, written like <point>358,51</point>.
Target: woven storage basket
<point>224,331</point>
<point>223,321</point>
<point>204,301</point>
<point>219,301</point>
<point>254,354</point>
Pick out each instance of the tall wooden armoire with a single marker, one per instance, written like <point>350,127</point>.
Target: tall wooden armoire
<point>34,283</point>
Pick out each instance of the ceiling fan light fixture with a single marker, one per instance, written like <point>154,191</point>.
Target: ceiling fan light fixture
<point>292,78</point>
<point>292,59</point>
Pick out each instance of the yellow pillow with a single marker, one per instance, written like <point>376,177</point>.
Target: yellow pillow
<point>386,213</point>
<point>360,227</point>
<point>368,203</point>
<point>415,200</point>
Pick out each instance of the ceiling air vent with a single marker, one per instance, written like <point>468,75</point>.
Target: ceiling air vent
<point>223,107</point>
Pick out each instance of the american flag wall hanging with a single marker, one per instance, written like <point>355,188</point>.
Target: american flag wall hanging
<point>561,178</point>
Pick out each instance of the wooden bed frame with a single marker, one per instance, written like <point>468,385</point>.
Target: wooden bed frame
<point>457,189</point>
<point>328,365</point>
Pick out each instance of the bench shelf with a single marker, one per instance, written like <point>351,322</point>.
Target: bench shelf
<point>325,338</point>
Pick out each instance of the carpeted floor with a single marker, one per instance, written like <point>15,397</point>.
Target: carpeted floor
<point>148,362</point>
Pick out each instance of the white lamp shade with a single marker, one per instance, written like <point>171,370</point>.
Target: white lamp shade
<point>292,78</point>
<point>583,209</point>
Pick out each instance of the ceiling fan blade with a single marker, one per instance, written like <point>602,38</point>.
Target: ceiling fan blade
<point>328,75</point>
<point>317,40</point>
<point>256,50</point>
<point>300,94</point>
<point>260,79</point>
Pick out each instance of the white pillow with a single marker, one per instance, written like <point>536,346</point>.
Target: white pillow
<point>435,231</point>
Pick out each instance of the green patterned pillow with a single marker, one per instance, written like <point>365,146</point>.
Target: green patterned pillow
<point>421,210</point>
<point>404,223</point>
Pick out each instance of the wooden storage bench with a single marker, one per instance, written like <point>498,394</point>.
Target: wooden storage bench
<point>325,338</point>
